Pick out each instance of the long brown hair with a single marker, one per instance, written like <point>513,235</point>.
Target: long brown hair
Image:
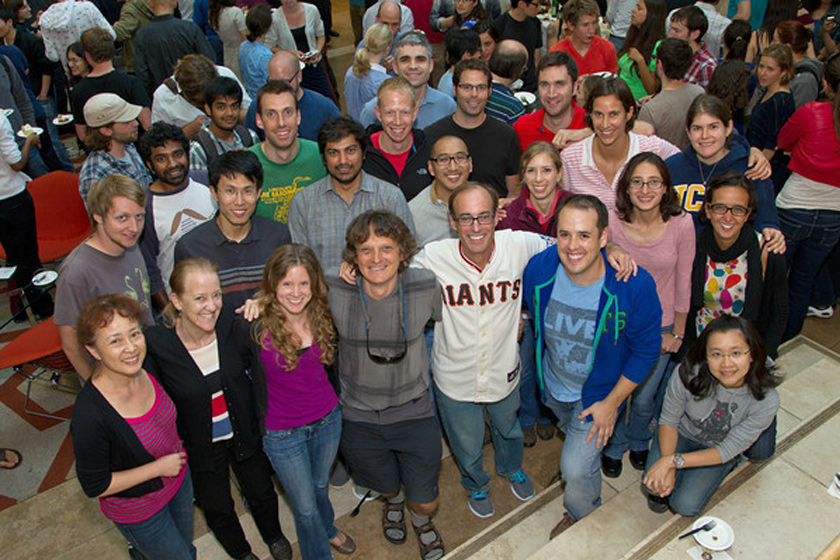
<point>272,322</point>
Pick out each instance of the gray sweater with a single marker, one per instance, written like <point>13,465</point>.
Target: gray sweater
<point>729,420</point>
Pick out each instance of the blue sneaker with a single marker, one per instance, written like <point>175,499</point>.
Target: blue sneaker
<point>481,504</point>
<point>521,486</point>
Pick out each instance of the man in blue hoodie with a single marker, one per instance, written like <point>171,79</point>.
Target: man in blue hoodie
<point>596,339</point>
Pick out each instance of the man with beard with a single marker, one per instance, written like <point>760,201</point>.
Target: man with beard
<point>321,212</point>
<point>222,102</point>
<point>111,132</point>
<point>289,163</point>
<point>176,204</point>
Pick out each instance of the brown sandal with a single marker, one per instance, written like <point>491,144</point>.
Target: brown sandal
<point>434,550</point>
<point>394,526</point>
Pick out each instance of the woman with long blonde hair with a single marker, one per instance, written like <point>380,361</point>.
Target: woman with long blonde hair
<point>367,72</point>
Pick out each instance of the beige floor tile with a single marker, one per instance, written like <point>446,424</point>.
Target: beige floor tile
<point>526,538</point>
<point>811,389</point>
<point>798,356</point>
<point>109,544</point>
<point>817,454</point>
<point>781,513</point>
<point>786,422</point>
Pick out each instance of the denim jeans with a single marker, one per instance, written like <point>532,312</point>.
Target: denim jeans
<point>632,427</point>
<point>810,236</point>
<point>168,534</point>
<point>302,458</point>
<point>531,410</point>
<point>463,423</point>
<point>580,462</point>
<point>53,151</point>
<point>693,487</point>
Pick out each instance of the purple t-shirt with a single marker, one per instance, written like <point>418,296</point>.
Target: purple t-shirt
<point>299,396</point>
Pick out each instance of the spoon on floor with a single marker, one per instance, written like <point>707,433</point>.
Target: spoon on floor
<point>707,527</point>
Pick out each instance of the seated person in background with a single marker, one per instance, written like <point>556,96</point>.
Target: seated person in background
<point>668,108</point>
<point>175,204</point>
<point>506,65</point>
<point>450,164</point>
<point>396,152</point>
<point>223,133</point>
<point>98,47</point>
<point>315,109</point>
<point>459,44</point>
<point>591,53</point>
<point>364,76</point>
<point>111,132</point>
<point>557,74</point>
<point>254,54</point>
<point>721,402</point>
<point>179,100</point>
<point>236,240</point>
<point>690,24</point>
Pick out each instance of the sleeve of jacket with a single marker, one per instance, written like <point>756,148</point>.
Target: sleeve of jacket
<point>91,447</point>
<point>128,24</point>
<point>644,329</point>
<point>792,130</point>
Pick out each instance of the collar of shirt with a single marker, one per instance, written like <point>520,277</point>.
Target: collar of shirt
<point>364,184</point>
<point>588,158</point>
<point>221,239</point>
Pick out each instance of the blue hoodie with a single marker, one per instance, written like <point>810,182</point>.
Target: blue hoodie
<point>628,346</point>
<point>689,182</point>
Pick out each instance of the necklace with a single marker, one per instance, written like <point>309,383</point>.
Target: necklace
<point>703,179</point>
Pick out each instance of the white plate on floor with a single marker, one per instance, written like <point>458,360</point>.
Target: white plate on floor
<point>721,538</point>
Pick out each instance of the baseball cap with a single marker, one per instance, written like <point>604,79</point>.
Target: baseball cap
<point>107,108</point>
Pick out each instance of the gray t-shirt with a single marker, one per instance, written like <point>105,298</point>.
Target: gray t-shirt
<point>729,420</point>
<point>571,317</point>
<point>87,273</point>
<point>667,110</point>
<point>431,217</point>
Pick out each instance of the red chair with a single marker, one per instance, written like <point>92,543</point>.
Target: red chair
<point>61,217</point>
<point>40,346</point>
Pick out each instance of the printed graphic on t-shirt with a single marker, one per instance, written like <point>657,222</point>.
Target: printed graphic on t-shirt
<point>280,198</point>
<point>569,333</point>
<point>717,424</point>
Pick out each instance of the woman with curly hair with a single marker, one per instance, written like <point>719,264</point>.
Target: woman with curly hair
<point>722,404</point>
<point>297,408</point>
<point>637,57</point>
<point>195,357</point>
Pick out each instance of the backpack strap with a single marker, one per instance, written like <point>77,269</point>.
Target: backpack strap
<point>206,142</point>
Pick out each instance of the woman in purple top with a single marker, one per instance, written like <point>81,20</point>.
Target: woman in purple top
<point>128,453</point>
<point>298,408</point>
<point>649,224</point>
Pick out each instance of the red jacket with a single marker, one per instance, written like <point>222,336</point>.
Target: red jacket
<point>810,138</point>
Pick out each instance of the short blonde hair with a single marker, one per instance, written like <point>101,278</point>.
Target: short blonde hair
<point>101,195</point>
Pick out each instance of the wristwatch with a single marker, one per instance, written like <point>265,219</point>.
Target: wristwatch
<point>679,461</point>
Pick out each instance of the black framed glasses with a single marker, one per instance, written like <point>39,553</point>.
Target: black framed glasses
<point>378,358</point>
<point>443,159</point>
<point>466,220</point>
<point>636,184</point>
<point>737,211</point>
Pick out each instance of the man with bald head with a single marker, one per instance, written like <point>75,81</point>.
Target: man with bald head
<point>507,63</point>
<point>374,15</point>
<point>315,109</point>
<point>390,13</point>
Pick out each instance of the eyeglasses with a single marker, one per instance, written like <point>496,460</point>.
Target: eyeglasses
<point>735,356</point>
<point>466,220</point>
<point>469,88</point>
<point>443,159</point>
<point>654,184</point>
<point>721,209</point>
<point>379,358</point>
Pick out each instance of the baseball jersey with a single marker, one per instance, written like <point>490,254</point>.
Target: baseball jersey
<point>475,357</point>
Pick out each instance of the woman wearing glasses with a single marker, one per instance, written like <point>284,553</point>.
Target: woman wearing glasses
<point>714,149</point>
<point>391,438</point>
<point>297,407</point>
<point>649,224</point>
<point>734,272</point>
<point>721,404</point>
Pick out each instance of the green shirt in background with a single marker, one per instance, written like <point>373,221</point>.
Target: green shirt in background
<point>282,180</point>
<point>627,72</point>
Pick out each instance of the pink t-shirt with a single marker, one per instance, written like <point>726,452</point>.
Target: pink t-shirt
<point>669,260</point>
<point>158,433</point>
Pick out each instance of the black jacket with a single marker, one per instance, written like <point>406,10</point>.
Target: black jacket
<point>415,176</point>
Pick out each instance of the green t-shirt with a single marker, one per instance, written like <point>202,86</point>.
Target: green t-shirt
<point>627,72</point>
<point>282,181</point>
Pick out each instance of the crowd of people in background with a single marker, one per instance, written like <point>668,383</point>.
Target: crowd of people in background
<point>598,217</point>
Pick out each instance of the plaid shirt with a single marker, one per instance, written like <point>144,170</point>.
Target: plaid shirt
<point>702,66</point>
<point>100,164</point>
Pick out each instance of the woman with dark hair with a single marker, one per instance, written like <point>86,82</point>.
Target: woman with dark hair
<point>228,20</point>
<point>736,40</point>
<point>125,440</point>
<point>807,81</point>
<point>297,408</point>
<point>637,57</point>
<point>731,84</point>
<point>733,271</point>
<point>777,12</point>
<point>468,13</point>
<point>254,54</point>
<point>77,64</point>
<point>489,36</point>
<point>649,224</point>
<point>722,404</point>
<point>195,357</point>
<point>775,105</point>
<point>809,203</point>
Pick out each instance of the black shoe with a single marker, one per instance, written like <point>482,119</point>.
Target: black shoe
<point>281,550</point>
<point>333,33</point>
<point>657,504</point>
<point>639,459</point>
<point>610,466</point>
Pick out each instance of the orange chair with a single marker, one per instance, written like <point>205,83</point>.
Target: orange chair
<point>61,218</point>
<point>40,346</point>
